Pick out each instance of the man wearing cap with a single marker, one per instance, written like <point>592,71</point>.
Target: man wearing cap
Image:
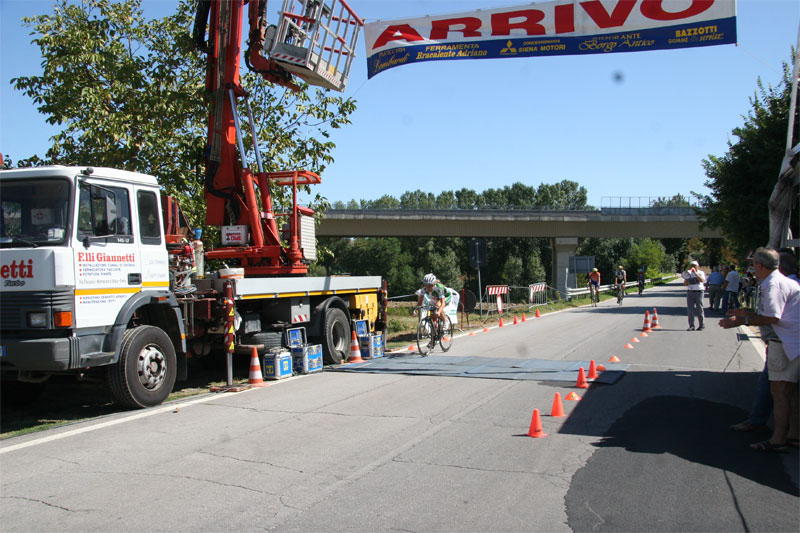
<point>695,279</point>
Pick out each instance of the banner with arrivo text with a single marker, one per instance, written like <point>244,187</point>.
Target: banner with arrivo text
<point>551,28</point>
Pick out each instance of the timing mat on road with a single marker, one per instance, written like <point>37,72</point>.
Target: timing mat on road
<point>484,367</point>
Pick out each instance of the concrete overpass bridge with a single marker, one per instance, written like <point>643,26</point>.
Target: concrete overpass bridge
<point>562,227</point>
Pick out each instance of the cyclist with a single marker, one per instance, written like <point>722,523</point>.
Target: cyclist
<point>594,283</point>
<point>438,293</point>
<point>640,280</point>
<point>620,278</point>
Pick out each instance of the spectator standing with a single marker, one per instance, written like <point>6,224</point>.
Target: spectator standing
<point>694,279</point>
<point>715,280</point>
<point>778,318</point>
<point>730,297</point>
<point>762,404</point>
<point>748,285</point>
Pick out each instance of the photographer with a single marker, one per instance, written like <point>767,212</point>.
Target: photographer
<point>695,279</point>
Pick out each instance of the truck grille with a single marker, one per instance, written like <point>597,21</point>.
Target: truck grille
<point>14,305</point>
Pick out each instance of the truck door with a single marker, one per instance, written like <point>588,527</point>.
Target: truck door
<point>107,258</point>
<point>154,258</point>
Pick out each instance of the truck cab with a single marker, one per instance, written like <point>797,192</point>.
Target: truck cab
<point>83,258</point>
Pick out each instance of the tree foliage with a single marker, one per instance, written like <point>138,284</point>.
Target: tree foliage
<point>564,195</point>
<point>129,93</point>
<point>742,179</point>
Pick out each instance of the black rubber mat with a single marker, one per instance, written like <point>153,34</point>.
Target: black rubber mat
<point>485,367</point>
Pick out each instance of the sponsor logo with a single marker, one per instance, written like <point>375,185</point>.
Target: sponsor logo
<point>13,283</point>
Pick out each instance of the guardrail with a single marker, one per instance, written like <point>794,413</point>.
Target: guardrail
<point>609,287</point>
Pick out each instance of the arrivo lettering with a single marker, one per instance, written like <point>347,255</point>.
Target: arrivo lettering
<point>17,270</point>
<point>530,20</point>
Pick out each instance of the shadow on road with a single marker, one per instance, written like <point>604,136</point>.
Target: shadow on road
<point>672,454</point>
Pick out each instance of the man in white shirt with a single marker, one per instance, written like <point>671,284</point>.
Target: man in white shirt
<point>778,318</point>
<point>730,290</point>
<point>695,279</point>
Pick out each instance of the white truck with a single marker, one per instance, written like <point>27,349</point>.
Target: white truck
<point>97,276</point>
<point>98,266</point>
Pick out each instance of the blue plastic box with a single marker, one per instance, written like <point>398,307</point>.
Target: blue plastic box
<point>277,365</point>
<point>307,359</point>
<point>371,346</point>
<point>362,328</point>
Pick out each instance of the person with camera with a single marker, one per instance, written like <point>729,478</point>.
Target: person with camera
<point>695,279</point>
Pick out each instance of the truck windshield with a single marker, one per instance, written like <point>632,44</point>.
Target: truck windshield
<point>34,212</point>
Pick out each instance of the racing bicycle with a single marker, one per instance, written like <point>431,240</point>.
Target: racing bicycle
<point>593,295</point>
<point>430,331</point>
<point>620,293</point>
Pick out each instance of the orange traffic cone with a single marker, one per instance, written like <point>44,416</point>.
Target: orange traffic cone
<point>536,430</point>
<point>592,370</point>
<point>572,397</point>
<point>635,340</point>
<point>500,325</point>
<point>628,346</point>
<point>615,359</point>
<point>485,330</point>
<point>471,333</point>
<point>558,408</point>
<point>601,368</point>
<point>410,348</point>
<point>646,326</point>
<point>582,383</point>
<point>523,317</point>
<point>355,351</point>
<point>538,314</point>
<point>643,334</point>
<point>655,319</point>
<point>515,320</point>
<point>255,379</point>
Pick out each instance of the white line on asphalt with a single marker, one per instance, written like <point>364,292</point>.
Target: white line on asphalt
<point>137,416</point>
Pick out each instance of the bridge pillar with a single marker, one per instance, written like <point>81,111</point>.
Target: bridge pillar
<point>563,249</point>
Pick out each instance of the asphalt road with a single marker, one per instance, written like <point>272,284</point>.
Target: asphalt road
<point>377,452</point>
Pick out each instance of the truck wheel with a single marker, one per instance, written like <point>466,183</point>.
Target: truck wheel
<point>335,336</point>
<point>146,370</point>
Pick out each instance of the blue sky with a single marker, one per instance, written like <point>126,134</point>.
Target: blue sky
<point>630,124</point>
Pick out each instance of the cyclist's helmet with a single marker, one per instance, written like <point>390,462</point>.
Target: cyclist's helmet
<point>594,270</point>
<point>429,279</point>
<point>620,267</point>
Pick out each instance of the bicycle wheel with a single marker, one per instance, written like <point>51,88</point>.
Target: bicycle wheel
<point>424,336</point>
<point>594,299</point>
<point>446,338</point>
<point>619,296</point>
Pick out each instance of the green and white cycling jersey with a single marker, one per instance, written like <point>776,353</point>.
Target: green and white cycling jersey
<point>439,292</point>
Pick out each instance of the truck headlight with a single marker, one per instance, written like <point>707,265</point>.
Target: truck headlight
<point>37,319</point>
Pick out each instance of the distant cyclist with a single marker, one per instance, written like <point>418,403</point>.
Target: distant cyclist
<point>640,280</point>
<point>594,282</point>
<point>620,278</point>
<point>437,292</point>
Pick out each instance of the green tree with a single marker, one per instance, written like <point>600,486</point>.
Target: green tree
<point>385,202</point>
<point>647,253</point>
<point>129,93</point>
<point>494,199</point>
<point>678,200</point>
<point>417,200</point>
<point>742,180</point>
<point>446,200</point>
<point>467,199</point>
<point>520,195</point>
<point>564,195</point>
<point>608,254</point>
